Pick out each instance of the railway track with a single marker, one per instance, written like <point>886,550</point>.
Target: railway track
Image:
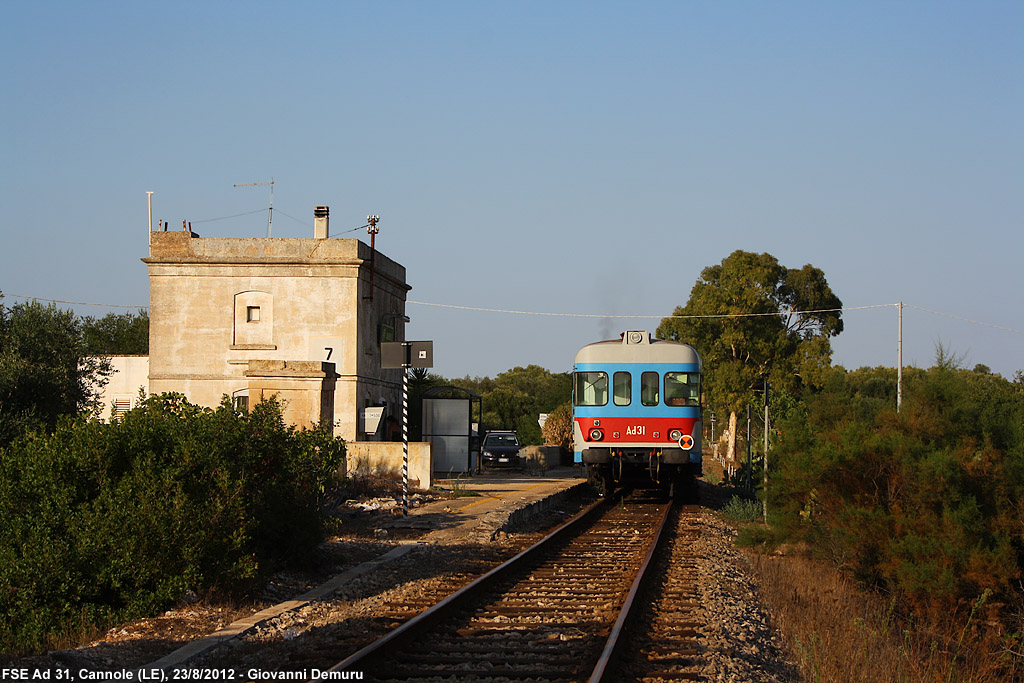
<point>663,643</point>
<point>556,612</point>
<point>728,636</point>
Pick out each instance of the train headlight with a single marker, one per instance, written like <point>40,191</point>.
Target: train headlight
<point>675,435</point>
<point>596,435</point>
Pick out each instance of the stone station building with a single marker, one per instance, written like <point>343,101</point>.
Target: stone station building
<point>298,317</point>
<point>246,318</point>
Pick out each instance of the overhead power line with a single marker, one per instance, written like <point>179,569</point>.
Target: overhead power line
<point>297,220</point>
<point>74,303</point>
<point>510,311</point>
<point>659,317</point>
<point>966,320</point>
<point>361,227</point>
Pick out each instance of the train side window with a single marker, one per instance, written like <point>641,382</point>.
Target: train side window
<point>590,389</point>
<point>649,382</point>
<point>622,389</point>
<point>682,388</point>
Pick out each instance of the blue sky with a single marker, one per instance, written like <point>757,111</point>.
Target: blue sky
<point>553,157</point>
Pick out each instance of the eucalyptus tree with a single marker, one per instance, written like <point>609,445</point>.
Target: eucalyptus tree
<point>755,320</point>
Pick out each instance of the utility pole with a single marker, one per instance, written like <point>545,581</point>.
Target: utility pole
<point>899,359</point>
<point>766,451</point>
<point>750,463</point>
<point>372,230</point>
<point>714,446</point>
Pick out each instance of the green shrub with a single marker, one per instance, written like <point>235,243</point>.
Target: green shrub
<point>114,521</point>
<point>925,502</point>
<point>743,509</point>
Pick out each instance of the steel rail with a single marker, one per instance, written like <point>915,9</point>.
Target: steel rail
<point>611,649</point>
<point>425,618</point>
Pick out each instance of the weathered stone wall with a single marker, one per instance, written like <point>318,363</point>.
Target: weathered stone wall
<point>542,457</point>
<point>304,388</point>
<point>385,458</point>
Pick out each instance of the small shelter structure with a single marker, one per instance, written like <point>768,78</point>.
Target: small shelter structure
<point>448,427</point>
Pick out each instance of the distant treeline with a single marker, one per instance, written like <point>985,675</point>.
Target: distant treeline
<point>513,399</point>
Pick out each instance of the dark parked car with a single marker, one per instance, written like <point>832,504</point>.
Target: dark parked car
<point>500,449</point>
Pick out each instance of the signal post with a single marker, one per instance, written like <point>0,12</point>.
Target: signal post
<point>405,355</point>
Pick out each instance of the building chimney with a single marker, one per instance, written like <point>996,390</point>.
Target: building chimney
<point>321,216</point>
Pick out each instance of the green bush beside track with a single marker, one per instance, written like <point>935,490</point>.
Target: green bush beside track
<point>114,521</point>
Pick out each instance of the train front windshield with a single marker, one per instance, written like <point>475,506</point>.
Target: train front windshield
<point>682,388</point>
<point>672,389</point>
<point>591,389</point>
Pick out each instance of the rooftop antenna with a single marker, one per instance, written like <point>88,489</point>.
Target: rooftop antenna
<point>270,218</point>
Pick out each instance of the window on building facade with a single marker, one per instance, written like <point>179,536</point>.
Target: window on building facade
<point>253,319</point>
<point>122,404</point>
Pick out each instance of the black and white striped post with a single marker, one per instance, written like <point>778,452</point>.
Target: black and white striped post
<point>405,441</point>
<point>406,355</point>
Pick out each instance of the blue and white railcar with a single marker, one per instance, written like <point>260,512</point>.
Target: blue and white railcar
<point>637,412</point>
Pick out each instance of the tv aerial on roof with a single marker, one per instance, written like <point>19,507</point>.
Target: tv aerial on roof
<point>270,217</point>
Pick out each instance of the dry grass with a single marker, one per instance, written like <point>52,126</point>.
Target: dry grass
<point>841,633</point>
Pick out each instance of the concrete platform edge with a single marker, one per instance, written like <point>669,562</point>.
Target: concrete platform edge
<point>500,521</point>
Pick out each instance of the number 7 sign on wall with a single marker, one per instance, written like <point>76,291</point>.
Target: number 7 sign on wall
<point>326,349</point>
